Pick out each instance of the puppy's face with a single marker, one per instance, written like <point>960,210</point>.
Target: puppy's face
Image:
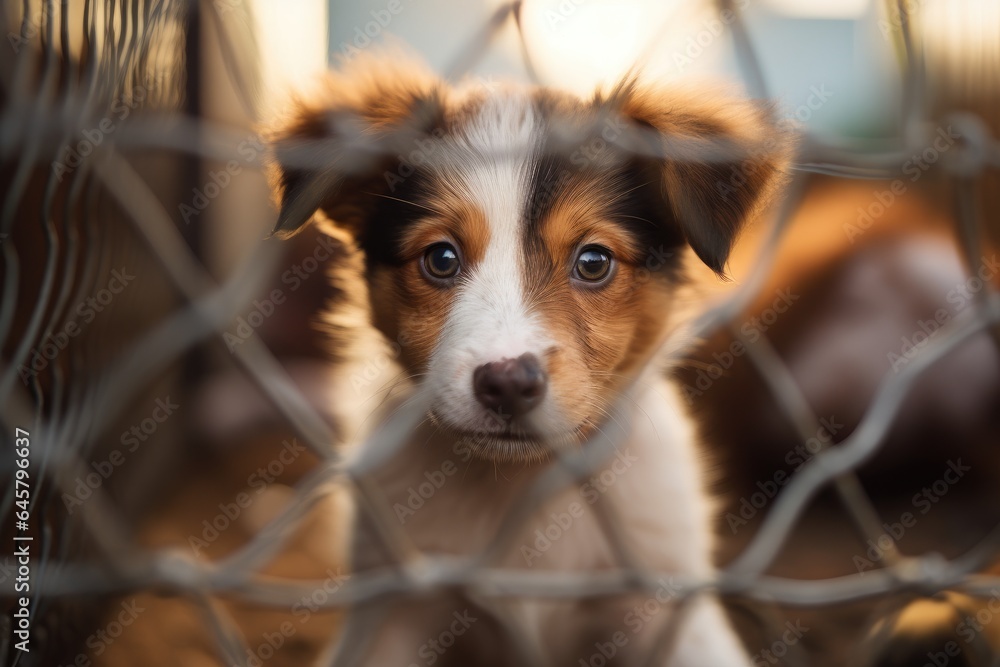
<point>522,246</point>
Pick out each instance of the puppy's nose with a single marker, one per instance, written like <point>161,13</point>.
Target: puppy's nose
<point>511,386</point>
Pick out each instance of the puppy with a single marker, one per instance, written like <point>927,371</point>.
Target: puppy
<point>524,255</point>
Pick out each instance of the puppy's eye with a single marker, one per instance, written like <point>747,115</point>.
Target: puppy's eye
<point>441,261</point>
<point>593,264</point>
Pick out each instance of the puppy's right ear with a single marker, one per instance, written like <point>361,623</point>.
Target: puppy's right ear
<point>334,151</point>
<point>722,160</point>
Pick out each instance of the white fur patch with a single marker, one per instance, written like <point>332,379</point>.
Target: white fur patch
<point>491,164</point>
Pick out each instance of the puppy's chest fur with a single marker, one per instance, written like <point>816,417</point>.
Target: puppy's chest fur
<point>647,492</point>
<point>448,502</point>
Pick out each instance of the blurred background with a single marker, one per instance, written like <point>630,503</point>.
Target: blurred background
<point>173,368</point>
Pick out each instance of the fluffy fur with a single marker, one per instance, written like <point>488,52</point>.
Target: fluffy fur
<point>520,181</point>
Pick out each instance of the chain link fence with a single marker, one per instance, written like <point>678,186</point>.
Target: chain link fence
<point>115,321</point>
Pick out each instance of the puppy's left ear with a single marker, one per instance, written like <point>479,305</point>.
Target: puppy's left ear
<point>334,150</point>
<point>720,160</point>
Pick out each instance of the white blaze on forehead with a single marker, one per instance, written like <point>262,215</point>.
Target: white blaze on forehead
<point>491,165</point>
<point>496,176</point>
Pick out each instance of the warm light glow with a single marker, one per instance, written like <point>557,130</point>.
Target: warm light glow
<point>820,9</point>
<point>579,44</point>
<point>293,44</point>
<point>962,51</point>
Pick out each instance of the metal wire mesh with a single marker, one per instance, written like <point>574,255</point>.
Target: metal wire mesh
<point>81,200</point>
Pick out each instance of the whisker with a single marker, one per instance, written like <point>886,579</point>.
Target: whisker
<point>634,217</point>
<point>388,418</point>
<point>402,201</point>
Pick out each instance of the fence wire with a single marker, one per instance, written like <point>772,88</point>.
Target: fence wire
<point>69,220</point>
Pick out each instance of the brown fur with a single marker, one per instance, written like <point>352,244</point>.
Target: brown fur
<point>711,200</point>
<point>660,180</point>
